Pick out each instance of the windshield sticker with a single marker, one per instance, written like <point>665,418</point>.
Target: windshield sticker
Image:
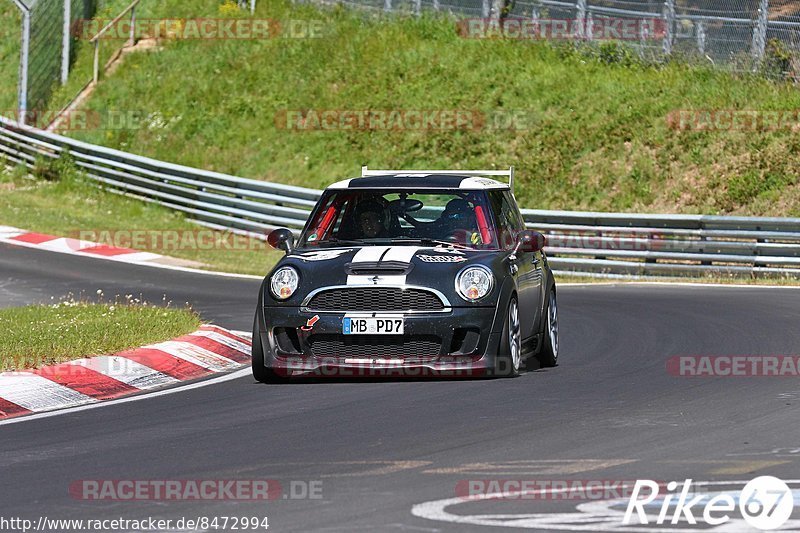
<point>442,258</point>
<point>447,250</point>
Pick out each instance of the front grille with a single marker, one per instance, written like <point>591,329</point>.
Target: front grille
<point>405,347</point>
<point>375,299</point>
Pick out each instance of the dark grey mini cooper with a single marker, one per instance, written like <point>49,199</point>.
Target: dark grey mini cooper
<point>408,273</point>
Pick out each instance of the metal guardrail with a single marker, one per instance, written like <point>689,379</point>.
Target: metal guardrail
<point>632,244</point>
<point>207,197</point>
<point>587,243</point>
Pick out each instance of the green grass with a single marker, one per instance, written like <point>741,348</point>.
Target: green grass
<point>81,71</point>
<point>40,335</point>
<point>600,139</point>
<point>66,205</point>
<point>83,52</point>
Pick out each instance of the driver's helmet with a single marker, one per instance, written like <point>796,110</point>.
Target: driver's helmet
<point>372,206</point>
<point>457,213</point>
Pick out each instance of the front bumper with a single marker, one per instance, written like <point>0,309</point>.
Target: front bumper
<point>459,342</point>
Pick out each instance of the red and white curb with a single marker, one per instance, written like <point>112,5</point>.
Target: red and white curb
<point>66,245</point>
<point>209,350</point>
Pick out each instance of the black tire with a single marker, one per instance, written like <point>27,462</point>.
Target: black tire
<point>260,372</point>
<point>548,355</point>
<point>508,361</point>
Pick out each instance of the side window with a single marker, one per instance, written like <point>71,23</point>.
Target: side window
<point>507,224</point>
<point>515,216</point>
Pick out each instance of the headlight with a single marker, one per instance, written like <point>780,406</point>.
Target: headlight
<point>473,283</point>
<point>284,282</point>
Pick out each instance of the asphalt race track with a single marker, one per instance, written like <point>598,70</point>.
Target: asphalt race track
<point>378,448</point>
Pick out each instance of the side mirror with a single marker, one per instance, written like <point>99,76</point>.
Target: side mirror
<point>281,239</point>
<point>531,241</point>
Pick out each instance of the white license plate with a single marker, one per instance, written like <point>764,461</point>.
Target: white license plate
<point>373,326</point>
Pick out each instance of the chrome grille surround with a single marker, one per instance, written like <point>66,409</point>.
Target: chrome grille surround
<point>406,299</point>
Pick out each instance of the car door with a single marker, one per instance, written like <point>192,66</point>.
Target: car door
<point>521,262</point>
<point>531,271</point>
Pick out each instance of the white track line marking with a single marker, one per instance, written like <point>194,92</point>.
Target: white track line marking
<point>127,371</point>
<point>221,379</point>
<point>195,354</point>
<point>223,339</point>
<point>36,393</point>
<point>6,234</point>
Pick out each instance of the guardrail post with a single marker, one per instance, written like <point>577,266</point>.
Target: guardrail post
<point>387,5</point>
<point>436,5</point>
<point>669,26</point>
<point>66,41</point>
<point>760,33</point>
<point>644,33</point>
<point>132,39</point>
<point>589,31</point>
<point>580,20</point>
<point>485,9</point>
<point>418,7</point>
<point>701,38</point>
<point>96,72</point>
<point>496,10</point>
<point>24,57</point>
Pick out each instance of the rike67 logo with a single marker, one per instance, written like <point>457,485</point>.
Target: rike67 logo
<point>765,503</point>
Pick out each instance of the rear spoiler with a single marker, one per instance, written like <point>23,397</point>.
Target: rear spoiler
<point>366,172</point>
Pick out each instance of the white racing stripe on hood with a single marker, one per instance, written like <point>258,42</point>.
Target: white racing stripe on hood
<point>401,253</point>
<point>369,254</point>
<point>372,254</point>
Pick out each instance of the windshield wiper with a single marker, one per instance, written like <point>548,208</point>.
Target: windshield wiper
<point>342,241</point>
<point>431,242</point>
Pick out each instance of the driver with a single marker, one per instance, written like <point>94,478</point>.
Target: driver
<point>372,218</point>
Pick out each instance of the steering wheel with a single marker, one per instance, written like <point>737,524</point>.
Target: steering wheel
<point>403,206</point>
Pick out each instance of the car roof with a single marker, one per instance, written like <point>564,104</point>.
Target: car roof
<point>420,181</point>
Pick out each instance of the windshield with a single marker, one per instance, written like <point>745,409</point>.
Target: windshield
<point>459,218</point>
